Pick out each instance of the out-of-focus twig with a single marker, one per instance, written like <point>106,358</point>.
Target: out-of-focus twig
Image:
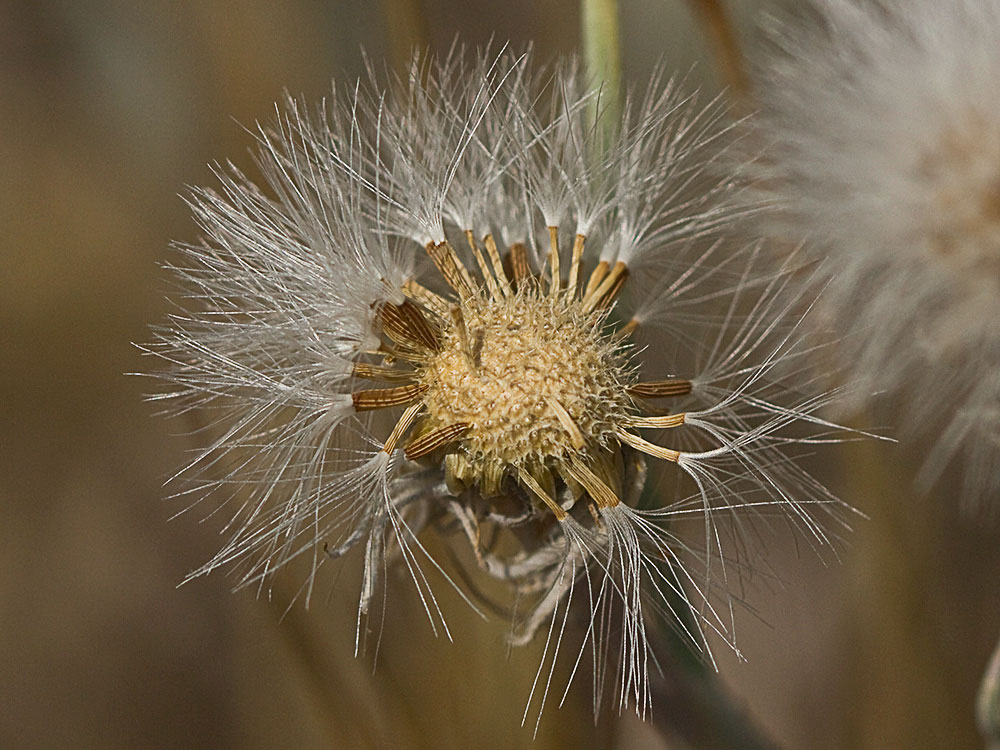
<point>407,27</point>
<point>722,36</point>
<point>988,703</point>
<point>899,658</point>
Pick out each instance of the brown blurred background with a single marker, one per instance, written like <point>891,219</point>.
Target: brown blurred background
<point>108,109</point>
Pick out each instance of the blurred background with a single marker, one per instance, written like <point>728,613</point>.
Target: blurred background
<point>108,110</point>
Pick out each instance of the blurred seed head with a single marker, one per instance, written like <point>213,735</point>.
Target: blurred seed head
<point>882,127</point>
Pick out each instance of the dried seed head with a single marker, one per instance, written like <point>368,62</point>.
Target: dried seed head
<point>522,377</point>
<point>511,389</point>
<point>526,351</point>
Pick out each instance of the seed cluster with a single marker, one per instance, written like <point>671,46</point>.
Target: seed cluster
<point>518,375</point>
<point>530,355</point>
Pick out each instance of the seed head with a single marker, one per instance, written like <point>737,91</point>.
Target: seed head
<point>884,128</point>
<point>453,308</point>
<point>532,375</point>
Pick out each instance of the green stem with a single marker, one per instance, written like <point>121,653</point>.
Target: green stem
<point>690,703</point>
<point>602,54</point>
<point>694,707</point>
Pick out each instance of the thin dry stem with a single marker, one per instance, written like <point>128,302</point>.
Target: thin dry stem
<point>722,36</point>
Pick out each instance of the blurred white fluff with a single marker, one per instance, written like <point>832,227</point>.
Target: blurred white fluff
<point>300,297</point>
<point>881,123</point>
